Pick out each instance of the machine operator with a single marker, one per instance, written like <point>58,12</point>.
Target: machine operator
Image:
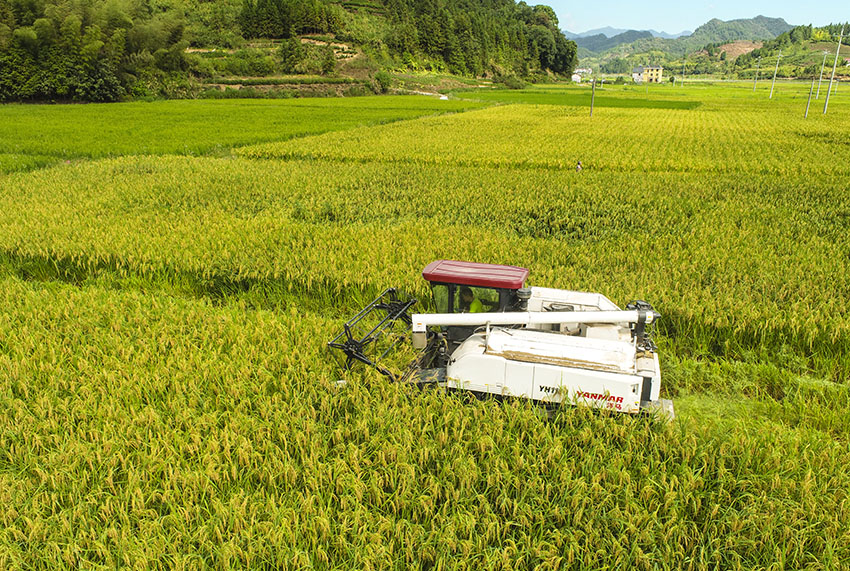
<point>469,303</point>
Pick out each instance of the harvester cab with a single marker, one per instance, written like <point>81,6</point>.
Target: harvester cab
<point>496,288</point>
<point>493,335</point>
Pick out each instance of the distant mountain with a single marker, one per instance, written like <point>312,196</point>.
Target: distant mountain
<point>600,43</point>
<point>758,28</point>
<point>667,36</point>
<point>607,31</point>
<point>714,31</point>
<point>610,32</point>
<point>801,49</point>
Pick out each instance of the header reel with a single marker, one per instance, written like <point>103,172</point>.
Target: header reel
<point>374,332</point>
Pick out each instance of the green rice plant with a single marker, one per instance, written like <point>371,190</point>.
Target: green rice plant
<point>576,97</point>
<point>34,135</point>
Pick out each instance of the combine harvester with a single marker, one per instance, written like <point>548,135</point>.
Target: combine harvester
<point>493,336</point>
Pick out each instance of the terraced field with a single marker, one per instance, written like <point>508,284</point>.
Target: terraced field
<point>163,319</point>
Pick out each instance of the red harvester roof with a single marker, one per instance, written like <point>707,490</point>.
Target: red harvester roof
<point>475,274</point>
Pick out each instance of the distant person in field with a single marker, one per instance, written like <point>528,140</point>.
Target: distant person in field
<point>469,303</point>
<point>578,167</point>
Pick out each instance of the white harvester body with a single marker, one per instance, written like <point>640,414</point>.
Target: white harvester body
<point>584,356</point>
<point>492,335</point>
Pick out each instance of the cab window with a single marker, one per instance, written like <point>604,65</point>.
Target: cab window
<point>475,299</point>
<point>441,298</point>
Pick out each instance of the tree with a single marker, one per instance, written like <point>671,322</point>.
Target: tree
<point>71,33</point>
<point>542,42</point>
<point>248,19</point>
<point>291,54</point>
<point>565,55</point>
<point>545,16</point>
<point>327,60</point>
<point>402,38</point>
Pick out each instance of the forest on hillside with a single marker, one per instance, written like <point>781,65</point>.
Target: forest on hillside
<point>801,49</point>
<point>105,50</point>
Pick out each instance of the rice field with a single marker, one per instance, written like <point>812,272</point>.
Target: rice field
<point>33,136</point>
<point>163,317</point>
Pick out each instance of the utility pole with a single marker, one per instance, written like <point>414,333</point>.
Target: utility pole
<point>756,78</point>
<point>683,69</point>
<point>592,95</point>
<point>806,116</point>
<point>825,53</point>
<point>834,65</point>
<point>774,75</point>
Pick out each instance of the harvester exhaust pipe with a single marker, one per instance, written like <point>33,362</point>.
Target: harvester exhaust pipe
<point>523,295</point>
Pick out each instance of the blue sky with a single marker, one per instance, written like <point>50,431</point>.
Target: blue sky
<point>671,16</point>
